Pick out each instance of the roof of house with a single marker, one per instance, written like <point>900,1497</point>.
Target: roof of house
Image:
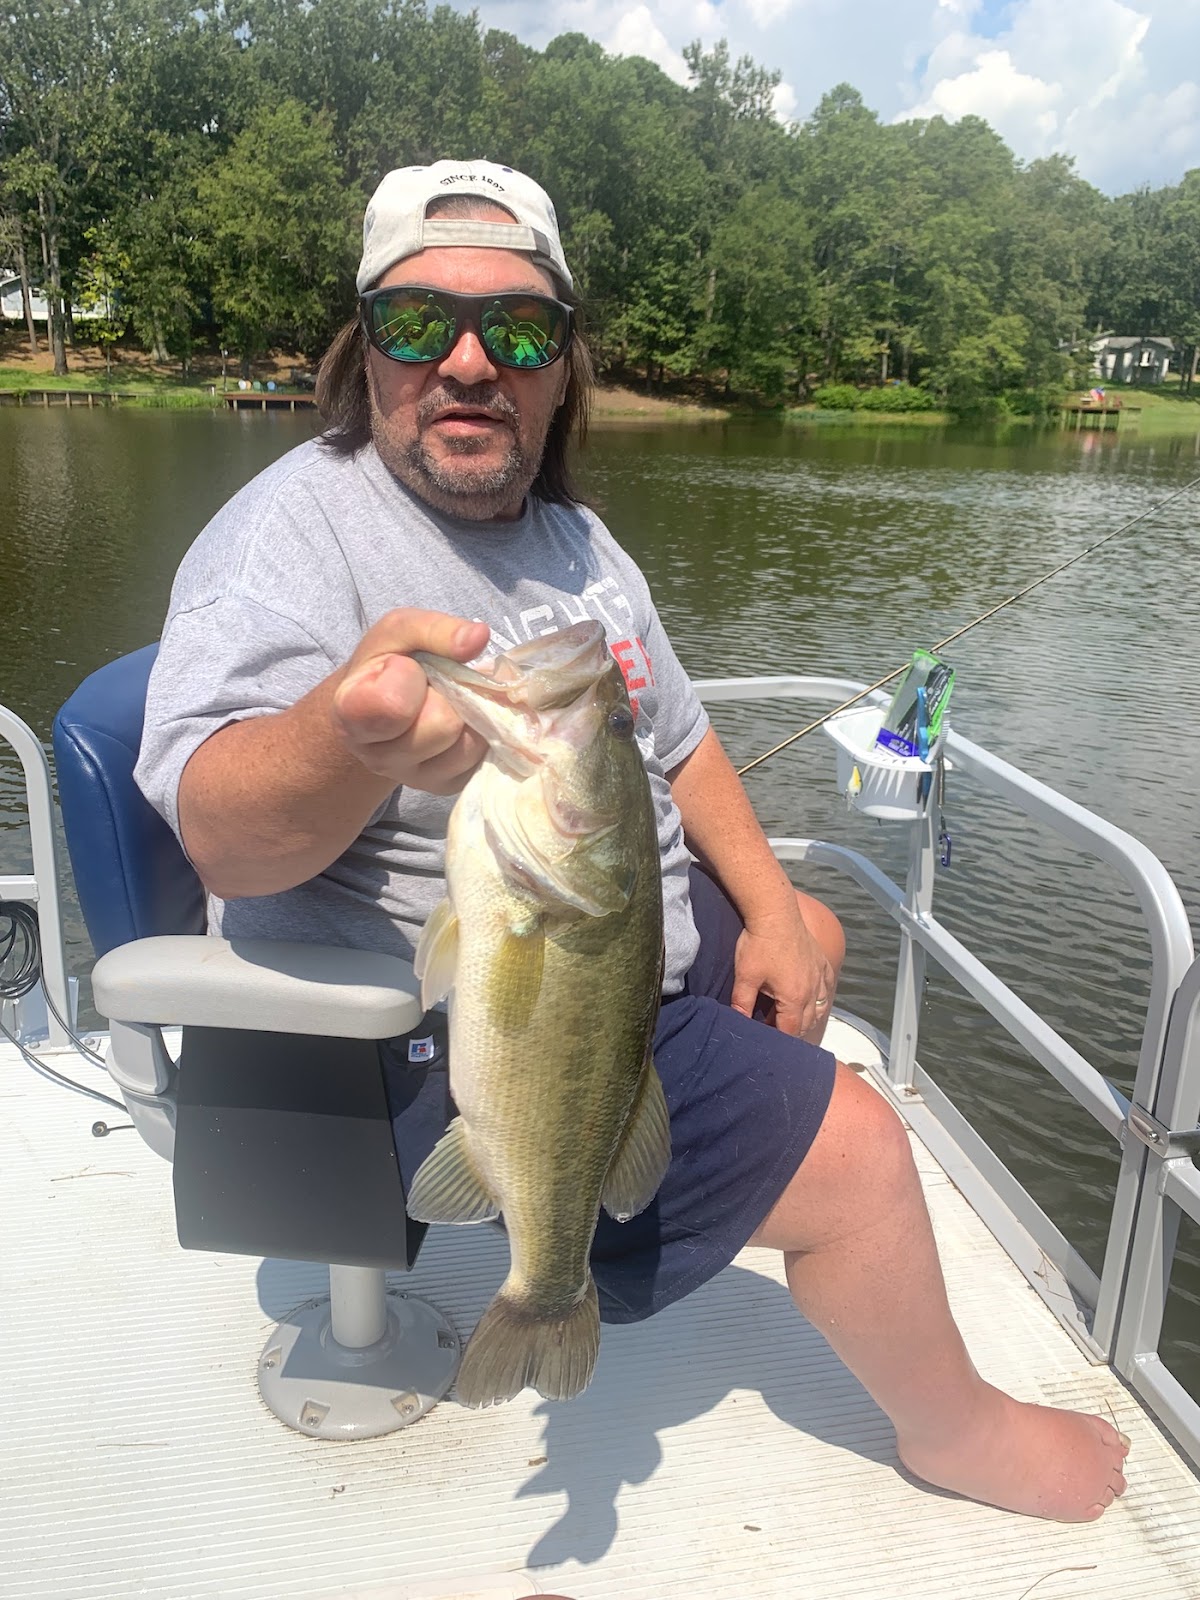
<point>1127,341</point>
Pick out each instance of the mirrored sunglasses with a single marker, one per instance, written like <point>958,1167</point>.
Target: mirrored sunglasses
<point>408,322</point>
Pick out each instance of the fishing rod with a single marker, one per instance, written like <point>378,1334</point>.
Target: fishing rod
<point>966,628</point>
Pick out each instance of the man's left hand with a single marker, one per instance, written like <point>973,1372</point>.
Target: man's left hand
<point>777,957</point>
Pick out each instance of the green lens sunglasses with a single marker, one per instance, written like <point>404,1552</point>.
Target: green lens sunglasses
<point>409,322</point>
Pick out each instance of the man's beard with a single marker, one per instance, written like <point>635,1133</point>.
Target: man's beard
<point>452,485</point>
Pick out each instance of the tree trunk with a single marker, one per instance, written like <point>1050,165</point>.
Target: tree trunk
<point>26,299</point>
<point>54,301</point>
<point>161,354</point>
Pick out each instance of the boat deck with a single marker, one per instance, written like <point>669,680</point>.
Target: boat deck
<point>722,1450</point>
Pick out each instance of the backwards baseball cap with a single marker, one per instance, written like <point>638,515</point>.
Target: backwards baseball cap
<point>395,224</point>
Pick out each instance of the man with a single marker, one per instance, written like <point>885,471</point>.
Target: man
<point>308,769</point>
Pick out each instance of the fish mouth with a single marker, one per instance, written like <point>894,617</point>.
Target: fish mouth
<point>531,696</point>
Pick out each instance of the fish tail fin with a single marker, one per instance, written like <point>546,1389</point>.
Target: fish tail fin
<point>512,1349</point>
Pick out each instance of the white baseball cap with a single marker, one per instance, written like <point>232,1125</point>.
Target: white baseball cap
<point>395,224</point>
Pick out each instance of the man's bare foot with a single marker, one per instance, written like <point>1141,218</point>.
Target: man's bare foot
<point>1043,1463</point>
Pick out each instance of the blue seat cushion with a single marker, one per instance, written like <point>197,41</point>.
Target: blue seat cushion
<point>132,878</point>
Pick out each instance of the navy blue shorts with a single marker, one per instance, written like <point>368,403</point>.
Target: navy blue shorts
<point>745,1100</point>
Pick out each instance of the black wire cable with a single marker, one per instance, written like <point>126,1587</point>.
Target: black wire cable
<point>20,973</point>
<point>23,926</point>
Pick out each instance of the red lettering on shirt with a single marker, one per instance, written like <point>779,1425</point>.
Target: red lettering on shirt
<point>623,655</point>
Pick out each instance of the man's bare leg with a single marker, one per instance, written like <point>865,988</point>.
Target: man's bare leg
<point>862,1266</point>
<point>825,928</point>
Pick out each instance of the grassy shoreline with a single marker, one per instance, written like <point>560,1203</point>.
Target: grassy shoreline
<point>612,402</point>
<point>868,419</point>
<point>1158,411</point>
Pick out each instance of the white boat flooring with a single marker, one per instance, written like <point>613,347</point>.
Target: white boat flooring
<point>722,1450</point>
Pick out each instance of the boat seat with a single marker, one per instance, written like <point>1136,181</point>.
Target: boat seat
<point>274,1114</point>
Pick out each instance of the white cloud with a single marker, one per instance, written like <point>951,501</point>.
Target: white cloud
<point>766,12</point>
<point>1086,77</point>
<point>784,102</point>
<point>1116,83</point>
<point>637,34</point>
<point>996,91</point>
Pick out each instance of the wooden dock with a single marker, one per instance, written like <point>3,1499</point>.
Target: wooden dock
<point>65,397</point>
<point>248,400</point>
<point>241,400</point>
<point>1094,414</point>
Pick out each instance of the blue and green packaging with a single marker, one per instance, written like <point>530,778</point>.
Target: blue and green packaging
<point>914,719</point>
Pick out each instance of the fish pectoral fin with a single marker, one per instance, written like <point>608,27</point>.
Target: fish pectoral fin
<point>644,1153</point>
<point>437,954</point>
<point>447,1187</point>
<point>516,977</point>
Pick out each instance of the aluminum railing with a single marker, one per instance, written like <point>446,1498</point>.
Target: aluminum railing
<point>1118,1315</point>
<point>40,888</point>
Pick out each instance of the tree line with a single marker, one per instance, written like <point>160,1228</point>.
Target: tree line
<point>194,172</point>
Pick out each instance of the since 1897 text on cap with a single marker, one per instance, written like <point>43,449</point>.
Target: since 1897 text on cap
<point>395,224</point>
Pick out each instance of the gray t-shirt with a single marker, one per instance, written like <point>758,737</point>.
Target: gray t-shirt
<point>276,593</point>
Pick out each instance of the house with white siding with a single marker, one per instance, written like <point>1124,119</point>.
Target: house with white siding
<point>1132,358</point>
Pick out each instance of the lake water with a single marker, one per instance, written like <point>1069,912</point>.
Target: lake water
<point>776,548</point>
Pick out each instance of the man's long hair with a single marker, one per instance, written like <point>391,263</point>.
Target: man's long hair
<point>345,405</point>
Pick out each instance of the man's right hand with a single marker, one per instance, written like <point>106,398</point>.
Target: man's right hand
<point>390,719</point>
<point>268,802</point>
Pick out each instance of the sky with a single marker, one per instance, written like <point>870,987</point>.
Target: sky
<point>1114,83</point>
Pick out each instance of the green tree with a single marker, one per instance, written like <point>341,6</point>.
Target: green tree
<point>56,58</point>
<point>14,225</point>
<point>1183,240</point>
<point>759,294</point>
<point>844,155</point>
<point>100,283</point>
<point>166,281</point>
<point>86,87</point>
<point>278,228</point>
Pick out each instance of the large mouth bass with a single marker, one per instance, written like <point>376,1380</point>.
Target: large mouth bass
<point>549,944</point>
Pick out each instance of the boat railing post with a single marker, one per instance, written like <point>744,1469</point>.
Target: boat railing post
<point>1153,1087</point>
<point>1164,1134</point>
<point>43,890</point>
<point>910,976</point>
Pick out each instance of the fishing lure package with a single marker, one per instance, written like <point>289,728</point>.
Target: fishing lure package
<point>912,724</point>
<point>886,758</point>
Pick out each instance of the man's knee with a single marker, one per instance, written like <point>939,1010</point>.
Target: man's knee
<point>858,1166</point>
<point>825,928</point>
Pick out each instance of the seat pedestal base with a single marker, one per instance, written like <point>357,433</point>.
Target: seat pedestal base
<point>330,1391</point>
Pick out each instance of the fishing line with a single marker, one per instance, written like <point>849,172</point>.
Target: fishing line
<point>966,628</point>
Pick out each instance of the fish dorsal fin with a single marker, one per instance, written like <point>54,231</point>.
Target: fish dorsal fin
<point>448,1187</point>
<point>644,1153</point>
<point>516,976</point>
<point>437,954</point>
